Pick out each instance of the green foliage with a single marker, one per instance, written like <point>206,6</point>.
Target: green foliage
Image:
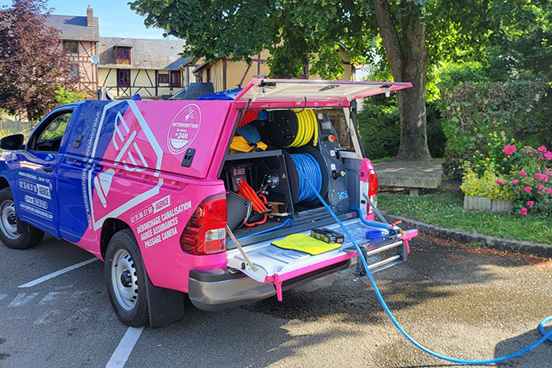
<point>531,181</point>
<point>473,111</point>
<point>435,136</point>
<point>486,185</point>
<point>301,31</point>
<point>31,64</point>
<point>445,209</point>
<point>379,127</point>
<point>494,155</point>
<point>6,132</point>
<point>65,96</point>
<point>452,74</point>
<point>522,41</point>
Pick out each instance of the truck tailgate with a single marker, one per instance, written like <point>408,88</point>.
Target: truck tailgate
<point>275,265</point>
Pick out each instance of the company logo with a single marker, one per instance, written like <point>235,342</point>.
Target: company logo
<point>134,147</point>
<point>102,183</point>
<point>184,128</point>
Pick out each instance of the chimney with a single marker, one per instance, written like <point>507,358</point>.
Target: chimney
<point>90,17</point>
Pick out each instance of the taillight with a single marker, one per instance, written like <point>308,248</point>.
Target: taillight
<point>205,232</point>
<point>373,187</point>
<point>373,183</point>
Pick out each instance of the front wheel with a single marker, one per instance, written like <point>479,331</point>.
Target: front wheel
<point>9,235</point>
<point>125,276</point>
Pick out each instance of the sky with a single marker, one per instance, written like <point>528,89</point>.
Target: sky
<point>116,18</point>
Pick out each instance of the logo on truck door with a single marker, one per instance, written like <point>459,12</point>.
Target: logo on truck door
<point>132,146</point>
<point>184,128</point>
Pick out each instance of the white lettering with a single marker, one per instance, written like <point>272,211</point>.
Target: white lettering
<point>156,239</point>
<point>37,202</point>
<point>161,204</point>
<point>27,175</point>
<point>149,224</point>
<point>36,211</point>
<point>169,233</point>
<point>163,226</point>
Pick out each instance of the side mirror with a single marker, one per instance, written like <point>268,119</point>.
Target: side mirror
<point>12,142</point>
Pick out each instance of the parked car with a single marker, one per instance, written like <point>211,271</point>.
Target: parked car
<point>153,188</point>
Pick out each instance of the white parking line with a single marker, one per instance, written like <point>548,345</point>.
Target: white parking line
<point>121,354</point>
<point>57,273</point>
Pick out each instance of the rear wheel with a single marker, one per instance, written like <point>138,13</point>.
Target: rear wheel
<point>125,276</point>
<point>9,235</point>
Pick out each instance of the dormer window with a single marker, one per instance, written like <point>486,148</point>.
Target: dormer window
<point>123,55</point>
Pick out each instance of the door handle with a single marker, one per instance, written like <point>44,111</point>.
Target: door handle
<point>47,168</point>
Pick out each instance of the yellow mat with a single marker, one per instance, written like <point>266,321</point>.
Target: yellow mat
<point>305,243</point>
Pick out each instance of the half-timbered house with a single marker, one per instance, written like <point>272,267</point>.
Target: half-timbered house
<point>151,68</point>
<point>79,36</point>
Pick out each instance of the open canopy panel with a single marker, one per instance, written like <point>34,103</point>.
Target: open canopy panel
<point>305,91</point>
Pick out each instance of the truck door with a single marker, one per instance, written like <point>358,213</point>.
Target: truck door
<point>37,175</point>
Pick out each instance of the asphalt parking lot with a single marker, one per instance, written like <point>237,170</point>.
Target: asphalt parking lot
<point>463,301</point>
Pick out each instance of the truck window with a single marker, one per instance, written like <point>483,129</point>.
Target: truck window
<point>49,137</point>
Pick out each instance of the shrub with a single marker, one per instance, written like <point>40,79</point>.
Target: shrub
<point>531,181</point>
<point>486,185</point>
<point>65,96</point>
<point>379,128</point>
<point>472,111</point>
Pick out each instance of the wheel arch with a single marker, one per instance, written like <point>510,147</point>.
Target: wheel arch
<point>110,227</point>
<point>4,183</point>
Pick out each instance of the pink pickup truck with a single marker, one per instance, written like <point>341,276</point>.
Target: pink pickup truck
<point>200,197</point>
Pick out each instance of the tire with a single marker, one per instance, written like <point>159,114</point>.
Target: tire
<point>126,279</point>
<point>9,235</point>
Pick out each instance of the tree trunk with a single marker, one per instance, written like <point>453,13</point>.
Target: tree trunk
<point>408,61</point>
<point>412,105</point>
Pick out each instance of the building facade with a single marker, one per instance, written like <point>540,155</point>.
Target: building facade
<point>151,68</point>
<point>124,66</point>
<point>226,73</point>
<point>79,38</point>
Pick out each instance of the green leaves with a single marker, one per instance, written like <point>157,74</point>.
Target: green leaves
<point>31,63</point>
<point>295,31</point>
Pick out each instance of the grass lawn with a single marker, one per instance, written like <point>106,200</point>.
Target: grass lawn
<point>444,207</point>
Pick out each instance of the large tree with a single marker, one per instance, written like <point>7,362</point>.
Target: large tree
<point>32,64</point>
<point>297,32</point>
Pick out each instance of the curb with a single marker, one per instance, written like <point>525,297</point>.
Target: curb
<point>539,249</point>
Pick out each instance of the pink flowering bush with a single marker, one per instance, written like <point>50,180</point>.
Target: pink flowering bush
<point>531,180</point>
<point>509,150</point>
<point>507,171</point>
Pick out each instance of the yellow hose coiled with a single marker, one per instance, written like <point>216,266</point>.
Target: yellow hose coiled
<point>307,128</point>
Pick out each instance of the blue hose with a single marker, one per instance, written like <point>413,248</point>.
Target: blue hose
<point>381,225</point>
<point>309,169</point>
<point>288,221</point>
<point>546,336</point>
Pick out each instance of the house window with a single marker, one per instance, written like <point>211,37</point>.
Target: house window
<point>163,78</point>
<point>175,78</point>
<point>123,53</point>
<point>71,47</point>
<point>73,71</point>
<point>123,78</point>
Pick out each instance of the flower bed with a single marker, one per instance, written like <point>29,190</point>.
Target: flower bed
<point>506,172</point>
